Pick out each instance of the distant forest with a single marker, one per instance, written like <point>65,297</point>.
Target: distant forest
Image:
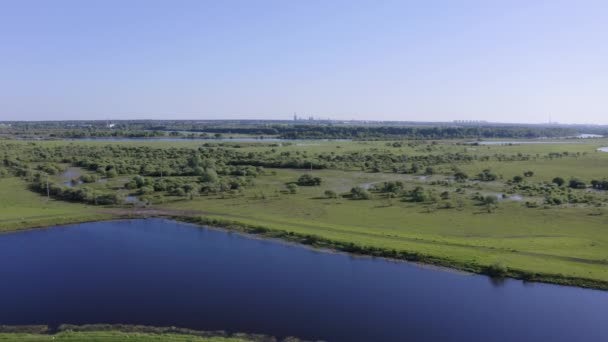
<point>285,130</point>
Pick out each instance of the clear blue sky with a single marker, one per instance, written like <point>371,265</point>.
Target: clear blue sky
<point>508,61</point>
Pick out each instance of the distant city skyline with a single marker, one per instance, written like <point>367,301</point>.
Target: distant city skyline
<point>498,61</point>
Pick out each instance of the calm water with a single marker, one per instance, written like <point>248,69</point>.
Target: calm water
<point>603,149</point>
<point>160,272</point>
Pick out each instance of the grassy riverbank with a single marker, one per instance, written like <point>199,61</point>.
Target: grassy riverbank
<point>109,336</point>
<point>119,333</point>
<point>21,208</point>
<point>499,270</point>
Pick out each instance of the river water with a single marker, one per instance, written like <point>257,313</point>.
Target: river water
<point>164,273</point>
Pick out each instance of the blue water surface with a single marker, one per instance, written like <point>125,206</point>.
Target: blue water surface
<point>164,273</point>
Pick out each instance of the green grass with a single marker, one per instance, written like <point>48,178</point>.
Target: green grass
<point>21,209</point>
<point>109,336</point>
<point>121,332</point>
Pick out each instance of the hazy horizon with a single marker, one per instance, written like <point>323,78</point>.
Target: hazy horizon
<point>509,62</point>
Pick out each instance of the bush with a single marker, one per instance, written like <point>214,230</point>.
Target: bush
<point>308,180</point>
<point>358,193</point>
<point>88,178</point>
<point>460,176</point>
<point>497,270</point>
<point>292,188</point>
<point>330,194</point>
<point>489,200</point>
<point>576,183</point>
<point>209,176</point>
<point>486,176</point>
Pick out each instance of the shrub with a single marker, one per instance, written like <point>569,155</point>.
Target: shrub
<point>497,270</point>
<point>486,176</point>
<point>292,188</point>
<point>330,194</point>
<point>358,193</point>
<point>576,183</point>
<point>308,180</point>
<point>460,176</point>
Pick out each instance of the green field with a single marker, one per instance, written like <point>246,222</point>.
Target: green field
<point>109,336</point>
<point>21,209</point>
<point>565,243</point>
<point>121,332</point>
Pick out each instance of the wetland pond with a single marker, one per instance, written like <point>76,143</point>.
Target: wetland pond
<point>164,273</point>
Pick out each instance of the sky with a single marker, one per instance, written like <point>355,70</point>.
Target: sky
<point>428,60</point>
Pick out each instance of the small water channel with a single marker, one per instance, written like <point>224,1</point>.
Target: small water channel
<point>164,273</point>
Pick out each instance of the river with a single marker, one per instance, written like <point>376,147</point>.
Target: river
<point>165,273</point>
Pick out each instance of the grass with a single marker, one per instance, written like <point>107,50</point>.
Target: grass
<point>119,332</point>
<point>109,336</point>
<point>23,209</point>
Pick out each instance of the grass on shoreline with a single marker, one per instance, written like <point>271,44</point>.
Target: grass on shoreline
<point>21,208</point>
<point>119,332</point>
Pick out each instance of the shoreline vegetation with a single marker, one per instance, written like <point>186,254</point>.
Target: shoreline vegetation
<point>123,332</point>
<point>496,271</point>
<point>493,270</point>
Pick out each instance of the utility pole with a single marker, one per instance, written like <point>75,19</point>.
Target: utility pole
<point>162,165</point>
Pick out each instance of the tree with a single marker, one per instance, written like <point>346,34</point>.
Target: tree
<point>292,188</point>
<point>528,173</point>
<point>358,193</point>
<point>576,183</point>
<point>330,194</point>
<point>559,181</point>
<point>139,181</point>
<point>490,202</point>
<point>486,176</point>
<point>308,180</point>
<point>195,160</point>
<point>461,177</point>
<point>209,176</point>
<point>518,179</point>
<point>419,194</point>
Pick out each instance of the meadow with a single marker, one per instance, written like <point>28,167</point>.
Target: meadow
<point>529,228</point>
<point>116,333</point>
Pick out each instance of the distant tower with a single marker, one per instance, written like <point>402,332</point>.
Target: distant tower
<point>295,117</point>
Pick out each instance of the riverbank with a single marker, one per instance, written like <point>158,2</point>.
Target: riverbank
<point>119,332</point>
<point>494,270</point>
